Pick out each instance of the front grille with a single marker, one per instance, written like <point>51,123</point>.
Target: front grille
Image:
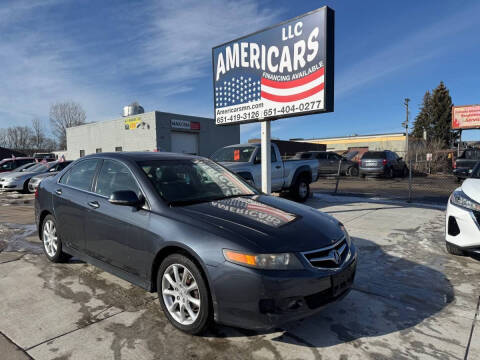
<point>330,257</point>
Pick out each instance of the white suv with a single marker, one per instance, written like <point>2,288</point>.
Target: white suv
<point>463,217</point>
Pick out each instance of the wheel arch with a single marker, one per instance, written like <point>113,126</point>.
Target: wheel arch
<point>303,170</point>
<point>179,249</point>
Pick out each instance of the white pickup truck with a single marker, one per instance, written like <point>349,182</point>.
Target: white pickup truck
<point>292,175</point>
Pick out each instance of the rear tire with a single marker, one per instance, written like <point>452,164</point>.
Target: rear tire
<point>301,189</point>
<point>390,174</point>
<point>52,244</point>
<point>454,250</point>
<point>190,310</point>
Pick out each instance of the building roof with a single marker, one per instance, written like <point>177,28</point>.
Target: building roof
<point>353,137</point>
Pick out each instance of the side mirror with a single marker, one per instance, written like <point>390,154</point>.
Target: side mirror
<point>400,158</point>
<point>125,198</point>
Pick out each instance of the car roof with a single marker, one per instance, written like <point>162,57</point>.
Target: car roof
<point>17,158</point>
<point>143,155</point>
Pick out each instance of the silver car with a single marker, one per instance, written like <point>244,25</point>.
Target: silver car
<point>35,181</point>
<point>19,180</point>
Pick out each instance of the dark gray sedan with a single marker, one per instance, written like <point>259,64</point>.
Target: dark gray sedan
<point>211,245</point>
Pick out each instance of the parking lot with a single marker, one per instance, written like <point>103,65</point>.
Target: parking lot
<point>410,300</point>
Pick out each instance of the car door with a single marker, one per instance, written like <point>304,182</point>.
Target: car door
<point>115,232</point>
<point>70,198</point>
<point>276,169</point>
<point>322,163</point>
<point>333,161</point>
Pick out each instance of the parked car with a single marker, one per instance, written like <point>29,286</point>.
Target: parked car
<point>382,163</point>
<point>13,163</point>
<point>34,181</point>
<point>464,164</point>
<point>211,245</point>
<point>463,217</point>
<point>44,156</point>
<point>328,162</point>
<point>292,175</point>
<point>19,180</point>
<point>21,168</point>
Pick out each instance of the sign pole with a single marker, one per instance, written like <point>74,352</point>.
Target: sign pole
<point>266,156</point>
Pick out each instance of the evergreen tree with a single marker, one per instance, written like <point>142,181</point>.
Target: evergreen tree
<point>435,116</point>
<point>423,121</point>
<point>442,114</point>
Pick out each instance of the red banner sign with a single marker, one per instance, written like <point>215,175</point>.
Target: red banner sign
<point>466,117</point>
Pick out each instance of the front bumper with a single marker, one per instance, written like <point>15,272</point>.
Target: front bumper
<point>11,185</point>
<point>462,228</point>
<point>256,299</point>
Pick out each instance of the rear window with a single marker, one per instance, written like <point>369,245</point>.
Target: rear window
<point>234,154</point>
<point>471,154</point>
<point>374,155</point>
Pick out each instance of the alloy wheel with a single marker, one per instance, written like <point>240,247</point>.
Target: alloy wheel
<point>50,238</point>
<point>181,294</point>
<point>302,190</point>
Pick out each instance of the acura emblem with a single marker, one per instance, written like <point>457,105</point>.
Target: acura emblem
<point>335,256</point>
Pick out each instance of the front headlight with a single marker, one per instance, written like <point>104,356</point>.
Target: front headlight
<point>284,261</point>
<point>459,198</point>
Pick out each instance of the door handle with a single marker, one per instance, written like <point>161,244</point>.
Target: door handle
<point>277,167</point>
<point>94,204</point>
<point>58,191</point>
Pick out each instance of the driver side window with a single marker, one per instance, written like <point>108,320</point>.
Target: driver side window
<point>114,176</point>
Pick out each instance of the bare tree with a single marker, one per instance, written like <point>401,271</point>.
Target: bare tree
<point>64,115</point>
<point>3,138</point>
<point>38,137</point>
<point>19,137</point>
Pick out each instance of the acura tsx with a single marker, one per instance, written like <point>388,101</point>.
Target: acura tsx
<point>211,245</point>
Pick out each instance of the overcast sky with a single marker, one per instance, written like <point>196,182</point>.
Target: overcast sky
<point>106,54</point>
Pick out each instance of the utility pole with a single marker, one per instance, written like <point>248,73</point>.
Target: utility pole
<point>405,124</point>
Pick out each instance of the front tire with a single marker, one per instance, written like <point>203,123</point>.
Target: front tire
<point>353,171</point>
<point>52,244</point>
<point>301,189</point>
<point>183,294</point>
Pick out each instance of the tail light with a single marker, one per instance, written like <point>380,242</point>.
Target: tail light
<point>384,162</point>
<point>455,164</point>
<point>36,193</point>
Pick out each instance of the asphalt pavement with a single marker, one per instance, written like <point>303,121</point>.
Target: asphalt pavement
<point>411,300</point>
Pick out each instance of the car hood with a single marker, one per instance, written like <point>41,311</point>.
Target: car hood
<point>271,223</point>
<point>471,187</point>
<point>23,174</point>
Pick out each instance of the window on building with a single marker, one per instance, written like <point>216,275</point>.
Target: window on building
<point>82,153</point>
<point>118,148</point>
<point>98,150</point>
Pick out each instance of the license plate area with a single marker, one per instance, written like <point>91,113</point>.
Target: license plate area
<point>343,280</point>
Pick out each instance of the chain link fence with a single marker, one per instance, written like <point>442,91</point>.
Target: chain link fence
<point>429,179</point>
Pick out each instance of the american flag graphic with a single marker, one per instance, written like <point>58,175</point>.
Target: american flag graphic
<point>237,90</point>
<point>241,90</point>
<point>293,90</point>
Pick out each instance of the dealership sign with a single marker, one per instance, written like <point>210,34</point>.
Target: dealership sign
<point>466,117</point>
<point>184,124</point>
<point>282,71</point>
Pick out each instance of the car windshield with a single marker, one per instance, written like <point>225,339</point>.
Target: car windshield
<point>234,154</point>
<point>25,167</point>
<point>38,167</point>
<point>374,155</point>
<point>193,181</point>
